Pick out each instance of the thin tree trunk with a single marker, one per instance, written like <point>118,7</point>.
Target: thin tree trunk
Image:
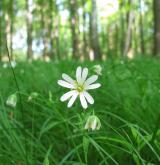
<point>4,30</point>
<point>156,8</point>
<point>94,31</point>
<point>122,29</point>
<point>7,30</point>
<point>108,39</point>
<point>11,25</point>
<point>128,40</point>
<point>1,22</point>
<point>135,37</point>
<point>104,41</point>
<point>84,31</point>
<point>74,29</point>
<point>141,29</point>
<point>44,27</point>
<point>54,30</point>
<point>57,37</point>
<point>57,31</point>
<point>51,34</point>
<point>116,38</point>
<point>29,28</point>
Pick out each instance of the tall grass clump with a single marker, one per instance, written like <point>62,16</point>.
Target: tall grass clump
<point>127,104</point>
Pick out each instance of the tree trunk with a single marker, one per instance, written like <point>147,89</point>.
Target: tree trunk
<point>57,31</point>
<point>11,10</point>
<point>141,29</point>
<point>9,25</point>
<point>74,29</point>
<point>116,38</point>
<point>1,22</point>
<point>44,28</point>
<point>84,31</point>
<point>94,31</point>
<point>29,28</point>
<point>51,34</point>
<point>122,28</point>
<point>156,7</point>
<point>128,40</point>
<point>7,30</point>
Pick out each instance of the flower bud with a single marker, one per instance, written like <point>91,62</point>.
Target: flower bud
<point>93,123</point>
<point>12,101</point>
<point>97,69</point>
<point>32,96</point>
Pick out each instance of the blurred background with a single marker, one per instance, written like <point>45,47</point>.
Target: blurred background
<point>46,38</point>
<point>79,29</point>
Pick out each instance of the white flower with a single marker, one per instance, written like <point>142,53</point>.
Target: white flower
<point>93,123</point>
<point>79,87</point>
<point>97,69</point>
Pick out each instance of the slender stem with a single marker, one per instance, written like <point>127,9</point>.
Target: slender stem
<point>93,112</point>
<point>20,101</point>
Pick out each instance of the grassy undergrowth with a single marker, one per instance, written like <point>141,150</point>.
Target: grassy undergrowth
<point>42,130</point>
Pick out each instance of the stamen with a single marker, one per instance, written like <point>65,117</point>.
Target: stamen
<point>79,87</point>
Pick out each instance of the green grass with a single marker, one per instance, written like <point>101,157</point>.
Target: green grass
<point>47,132</point>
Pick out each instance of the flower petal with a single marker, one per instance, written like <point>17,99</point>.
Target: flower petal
<point>88,97</point>
<point>91,80</point>
<point>83,100</point>
<point>79,74</point>
<point>84,74</point>
<point>72,100</point>
<point>67,78</point>
<point>94,123</point>
<point>65,84</point>
<point>93,86</point>
<point>67,95</point>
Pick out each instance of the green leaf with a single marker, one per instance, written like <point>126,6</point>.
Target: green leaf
<point>46,161</point>
<point>85,147</point>
<point>136,159</point>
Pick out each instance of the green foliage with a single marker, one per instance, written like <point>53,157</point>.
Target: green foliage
<point>127,104</point>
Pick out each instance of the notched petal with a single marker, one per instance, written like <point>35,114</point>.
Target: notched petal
<point>83,101</point>
<point>67,95</point>
<point>72,100</point>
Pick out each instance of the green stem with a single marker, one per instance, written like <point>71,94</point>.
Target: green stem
<point>93,112</point>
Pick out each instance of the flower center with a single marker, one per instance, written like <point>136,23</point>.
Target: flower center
<point>79,87</point>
